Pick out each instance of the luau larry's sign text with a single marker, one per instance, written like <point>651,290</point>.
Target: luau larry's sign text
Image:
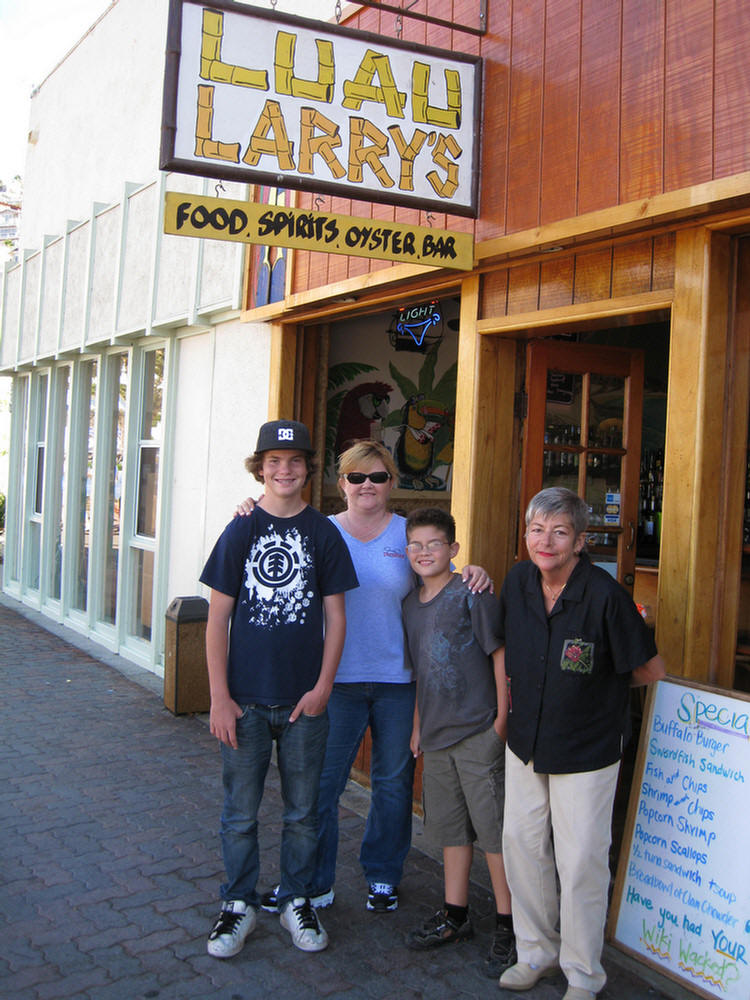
<point>257,96</point>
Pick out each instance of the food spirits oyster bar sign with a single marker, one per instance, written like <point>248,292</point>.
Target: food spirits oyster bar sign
<point>272,225</point>
<point>261,97</point>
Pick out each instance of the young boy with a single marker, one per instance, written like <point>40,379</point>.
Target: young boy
<point>459,726</point>
<point>279,577</point>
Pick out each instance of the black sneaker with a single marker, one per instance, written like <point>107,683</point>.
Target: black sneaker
<point>502,952</point>
<point>382,897</point>
<point>236,921</point>
<point>269,901</point>
<point>439,930</point>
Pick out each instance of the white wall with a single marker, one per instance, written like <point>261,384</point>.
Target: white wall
<point>116,278</point>
<point>4,432</point>
<point>222,399</point>
<point>114,75</point>
<point>96,120</point>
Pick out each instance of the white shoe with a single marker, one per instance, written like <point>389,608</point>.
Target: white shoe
<point>235,923</point>
<point>302,922</point>
<point>523,976</point>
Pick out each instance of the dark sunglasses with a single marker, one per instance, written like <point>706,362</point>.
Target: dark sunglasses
<point>357,478</point>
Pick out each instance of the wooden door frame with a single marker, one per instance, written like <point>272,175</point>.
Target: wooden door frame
<point>705,458</point>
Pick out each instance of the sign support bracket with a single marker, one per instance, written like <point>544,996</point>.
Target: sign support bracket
<point>391,8</point>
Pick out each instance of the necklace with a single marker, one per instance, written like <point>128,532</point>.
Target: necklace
<point>366,532</point>
<point>552,593</point>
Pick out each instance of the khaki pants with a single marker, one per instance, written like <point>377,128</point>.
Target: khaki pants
<point>577,809</point>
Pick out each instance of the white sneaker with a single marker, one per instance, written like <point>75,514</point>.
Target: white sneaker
<point>302,922</point>
<point>235,923</point>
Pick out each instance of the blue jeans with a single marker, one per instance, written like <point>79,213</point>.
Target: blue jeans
<point>300,748</point>
<point>388,709</point>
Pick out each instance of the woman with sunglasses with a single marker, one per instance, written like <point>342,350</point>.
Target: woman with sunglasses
<point>373,686</point>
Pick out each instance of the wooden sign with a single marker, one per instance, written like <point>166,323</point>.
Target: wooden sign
<point>266,98</point>
<point>280,225</point>
<point>682,895</point>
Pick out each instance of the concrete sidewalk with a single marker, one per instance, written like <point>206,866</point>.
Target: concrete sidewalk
<point>111,864</point>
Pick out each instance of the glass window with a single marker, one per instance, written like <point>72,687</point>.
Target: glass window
<point>113,463</point>
<point>148,478</point>
<point>82,475</point>
<point>41,434</point>
<point>153,375</point>
<point>150,443</point>
<point>14,511</point>
<point>57,485</point>
<point>143,586</point>
<point>149,453</point>
<point>34,536</point>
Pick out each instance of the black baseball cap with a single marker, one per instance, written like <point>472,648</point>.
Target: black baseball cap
<point>284,435</point>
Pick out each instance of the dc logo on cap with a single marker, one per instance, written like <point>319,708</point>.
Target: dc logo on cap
<point>286,434</point>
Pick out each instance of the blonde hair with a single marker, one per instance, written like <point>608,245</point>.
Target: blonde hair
<point>365,452</point>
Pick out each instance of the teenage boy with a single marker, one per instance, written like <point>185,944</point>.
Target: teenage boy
<point>459,726</point>
<point>279,578</point>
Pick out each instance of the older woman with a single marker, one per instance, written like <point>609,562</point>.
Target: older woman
<point>574,644</point>
<point>373,685</point>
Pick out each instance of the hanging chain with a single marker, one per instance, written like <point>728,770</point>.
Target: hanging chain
<point>273,4</point>
<point>399,19</point>
<point>338,11</point>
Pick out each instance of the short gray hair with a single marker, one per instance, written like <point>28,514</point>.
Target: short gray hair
<point>557,500</point>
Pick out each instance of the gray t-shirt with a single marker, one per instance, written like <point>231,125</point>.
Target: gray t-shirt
<point>449,642</point>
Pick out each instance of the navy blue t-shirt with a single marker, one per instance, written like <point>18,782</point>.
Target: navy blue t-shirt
<point>278,569</point>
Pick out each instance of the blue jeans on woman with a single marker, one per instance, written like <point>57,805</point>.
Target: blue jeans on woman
<point>388,709</point>
<point>300,748</point>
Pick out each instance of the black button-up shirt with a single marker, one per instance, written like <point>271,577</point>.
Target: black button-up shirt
<point>569,672</point>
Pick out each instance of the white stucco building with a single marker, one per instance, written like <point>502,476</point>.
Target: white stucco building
<point>133,379</point>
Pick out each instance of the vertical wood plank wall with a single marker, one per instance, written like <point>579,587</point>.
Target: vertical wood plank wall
<point>729,622</point>
<point>588,104</point>
<point>698,460</point>
<point>624,269</point>
<point>485,464</point>
<point>282,367</point>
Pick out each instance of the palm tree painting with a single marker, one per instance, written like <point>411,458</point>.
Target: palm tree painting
<point>425,425</point>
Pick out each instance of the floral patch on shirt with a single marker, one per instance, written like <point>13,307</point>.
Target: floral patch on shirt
<point>577,656</point>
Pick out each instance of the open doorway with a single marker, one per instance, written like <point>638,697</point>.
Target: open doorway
<point>580,410</point>
<point>589,439</point>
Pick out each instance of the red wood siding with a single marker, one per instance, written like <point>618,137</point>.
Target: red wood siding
<point>645,265</point>
<point>587,104</point>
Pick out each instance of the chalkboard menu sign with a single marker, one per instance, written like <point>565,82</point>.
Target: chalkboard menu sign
<point>682,894</point>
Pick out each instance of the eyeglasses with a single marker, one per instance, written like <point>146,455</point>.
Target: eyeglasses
<point>434,545</point>
<point>357,478</point>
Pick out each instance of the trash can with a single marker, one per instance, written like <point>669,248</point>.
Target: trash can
<point>185,672</point>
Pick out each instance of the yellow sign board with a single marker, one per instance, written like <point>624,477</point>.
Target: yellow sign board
<point>326,232</point>
<point>260,97</point>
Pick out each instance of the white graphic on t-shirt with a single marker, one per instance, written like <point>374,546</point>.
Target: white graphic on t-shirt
<point>276,578</point>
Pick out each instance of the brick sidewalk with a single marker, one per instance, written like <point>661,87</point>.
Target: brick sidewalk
<point>111,863</point>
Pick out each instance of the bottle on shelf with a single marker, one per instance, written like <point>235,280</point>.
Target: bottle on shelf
<point>651,489</point>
